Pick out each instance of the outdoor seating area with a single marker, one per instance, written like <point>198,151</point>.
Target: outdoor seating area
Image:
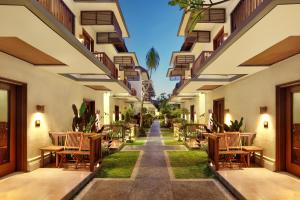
<point>225,150</point>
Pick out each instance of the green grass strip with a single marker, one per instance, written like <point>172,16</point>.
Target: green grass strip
<point>136,142</point>
<point>118,165</point>
<point>173,142</point>
<point>189,164</point>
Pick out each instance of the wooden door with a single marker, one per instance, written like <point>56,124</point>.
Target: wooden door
<point>293,130</point>
<point>192,111</point>
<point>117,113</point>
<point>218,111</point>
<point>7,129</point>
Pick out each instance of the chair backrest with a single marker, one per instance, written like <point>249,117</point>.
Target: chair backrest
<point>233,140</point>
<point>73,140</point>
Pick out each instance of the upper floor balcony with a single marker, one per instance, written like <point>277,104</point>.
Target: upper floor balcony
<point>200,61</point>
<point>178,85</point>
<point>104,59</point>
<point>193,37</point>
<point>124,62</point>
<point>112,38</point>
<point>243,10</point>
<point>61,12</point>
<point>102,20</point>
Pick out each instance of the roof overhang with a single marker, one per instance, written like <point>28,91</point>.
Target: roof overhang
<point>38,28</point>
<point>259,26</point>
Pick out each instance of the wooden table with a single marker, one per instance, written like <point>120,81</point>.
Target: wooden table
<point>252,150</point>
<point>50,149</point>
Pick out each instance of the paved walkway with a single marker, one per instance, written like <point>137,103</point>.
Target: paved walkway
<point>151,178</point>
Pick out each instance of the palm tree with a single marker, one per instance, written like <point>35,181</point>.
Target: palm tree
<point>152,60</point>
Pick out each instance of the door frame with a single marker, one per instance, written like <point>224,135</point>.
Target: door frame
<point>21,123</point>
<point>281,121</point>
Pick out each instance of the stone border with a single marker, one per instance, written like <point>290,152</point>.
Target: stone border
<point>92,181</point>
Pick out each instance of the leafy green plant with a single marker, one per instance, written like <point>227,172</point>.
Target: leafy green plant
<point>235,126</point>
<point>196,8</point>
<point>90,124</point>
<point>83,119</point>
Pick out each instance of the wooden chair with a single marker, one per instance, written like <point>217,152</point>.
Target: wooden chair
<point>232,148</point>
<point>72,145</point>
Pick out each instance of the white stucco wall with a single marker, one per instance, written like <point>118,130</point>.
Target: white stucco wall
<point>55,92</point>
<point>246,96</point>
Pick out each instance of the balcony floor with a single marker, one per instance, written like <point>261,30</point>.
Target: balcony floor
<point>261,183</point>
<point>43,183</point>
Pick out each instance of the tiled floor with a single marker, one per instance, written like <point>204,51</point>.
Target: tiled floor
<point>43,183</point>
<point>260,183</point>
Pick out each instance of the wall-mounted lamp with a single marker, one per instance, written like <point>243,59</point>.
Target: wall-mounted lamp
<point>40,108</point>
<point>226,110</point>
<point>37,123</point>
<point>266,124</point>
<point>263,109</point>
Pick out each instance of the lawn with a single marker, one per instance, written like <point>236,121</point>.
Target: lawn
<point>118,165</point>
<point>136,142</point>
<point>173,142</point>
<point>189,164</point>
<point>167,133</point>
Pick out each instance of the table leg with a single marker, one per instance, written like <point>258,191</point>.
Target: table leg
<point>42,158</point>
<point>57,159</point>
<point>261,158</point>
<point>248,159</point>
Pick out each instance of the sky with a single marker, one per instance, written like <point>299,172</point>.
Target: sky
<point>153,23</point>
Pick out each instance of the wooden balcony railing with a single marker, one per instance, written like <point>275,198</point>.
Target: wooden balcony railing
<point>61,12</point>
<point>193,37</point>
<point>133,92</point>
<point>112,38</point>
<point>178,85</point>
<point>104,59</point>
<point>91,18</point>
<point>200,61</point>
<point>126,82</point>
<point>242,11</point>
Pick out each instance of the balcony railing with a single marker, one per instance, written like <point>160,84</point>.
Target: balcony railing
<point>193,37</point>
<point>133,92</point>
<point>126,82</point>
<point>199,63</point>
<point>112,38</point>
<point>61,12</point>
<point>100,18</point>
<point>242,12</point>
<point>104,59</point>
<point>178,85</point>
